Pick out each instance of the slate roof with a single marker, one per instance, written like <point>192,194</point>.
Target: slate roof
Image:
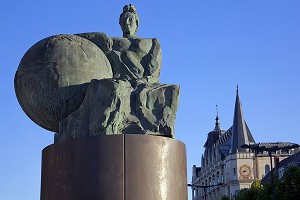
<point>240,131</point>
<point>270,146</point>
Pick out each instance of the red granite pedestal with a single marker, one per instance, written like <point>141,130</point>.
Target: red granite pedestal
<point>116,167</point>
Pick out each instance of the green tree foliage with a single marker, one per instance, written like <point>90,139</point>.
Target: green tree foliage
<point>225,198</point>
<point>256,185</point>
<point>243,194</point>
<point>265,193</point>
<point>249,193</point>
<point>287,188</point>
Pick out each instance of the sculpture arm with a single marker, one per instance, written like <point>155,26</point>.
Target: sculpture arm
<point>152,62</point>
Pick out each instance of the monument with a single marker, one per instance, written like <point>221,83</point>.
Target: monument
<point>112,118</point>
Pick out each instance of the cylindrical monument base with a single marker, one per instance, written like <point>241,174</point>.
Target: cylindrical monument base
<point>116,167</point>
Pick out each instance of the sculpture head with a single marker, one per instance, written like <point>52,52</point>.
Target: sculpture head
<point>129,21</point>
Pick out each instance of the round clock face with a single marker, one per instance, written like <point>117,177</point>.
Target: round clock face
<point>245,171</point>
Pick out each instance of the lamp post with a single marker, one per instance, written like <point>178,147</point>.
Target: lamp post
<point>270,147</point>
<point>272,175</point>
<point>204,187</point>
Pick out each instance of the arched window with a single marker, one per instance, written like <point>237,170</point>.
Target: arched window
<point>267,169</point>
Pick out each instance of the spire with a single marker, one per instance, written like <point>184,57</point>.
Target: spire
<point>240,133</point>
<point>217,126</point>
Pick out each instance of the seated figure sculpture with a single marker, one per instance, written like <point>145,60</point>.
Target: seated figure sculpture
<point>127,100</point>
<point>132,58</point>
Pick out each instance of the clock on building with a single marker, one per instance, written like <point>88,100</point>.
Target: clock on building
<point>245,171</point>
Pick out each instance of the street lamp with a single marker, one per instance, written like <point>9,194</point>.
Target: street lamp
<point>204,187</point>
<point>270,147</point>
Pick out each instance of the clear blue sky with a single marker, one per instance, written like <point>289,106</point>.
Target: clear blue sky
<point>208,47</point>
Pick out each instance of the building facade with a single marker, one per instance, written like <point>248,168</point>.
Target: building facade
<point>293,160</point>
<point>226,167</point>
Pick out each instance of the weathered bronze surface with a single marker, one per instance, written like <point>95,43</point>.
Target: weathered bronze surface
<point>116,167</point>
<point>91,84</point>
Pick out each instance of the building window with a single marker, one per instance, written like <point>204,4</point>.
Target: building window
<point>234,170</point>
<point>278,152</point>
<point>281,171</point>
<point>267,169</point>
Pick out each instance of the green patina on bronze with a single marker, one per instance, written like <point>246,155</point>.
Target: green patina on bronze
<point>91,84</point>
